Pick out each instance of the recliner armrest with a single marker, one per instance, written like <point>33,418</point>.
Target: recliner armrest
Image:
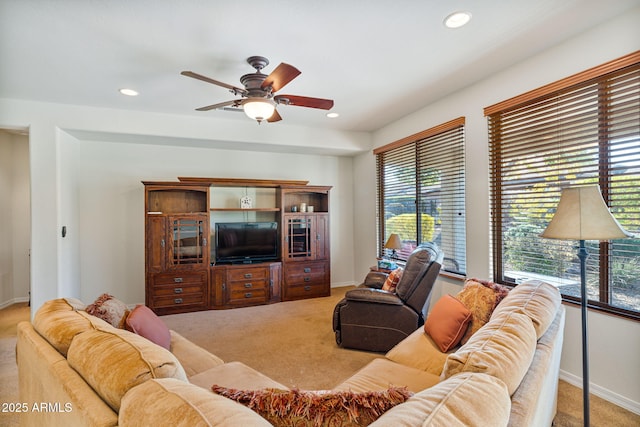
<point>373,295</point>
<point>375,279</point>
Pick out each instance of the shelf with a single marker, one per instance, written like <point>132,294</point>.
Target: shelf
<point>239,182</point>
<point>245,209</point>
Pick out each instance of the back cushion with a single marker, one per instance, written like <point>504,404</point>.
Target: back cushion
<point>419,351</point>
<point>503,348</point>
<point>412,270</point>
<point>536,299</point>
<point>112,361</point>
<point>172,402</point>
<point>448,404</point>
<point>59,320</point>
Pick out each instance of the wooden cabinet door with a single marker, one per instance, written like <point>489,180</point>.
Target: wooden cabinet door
<point>321,230</point>
<point>188,241</point>
<point>156,244</point>
<point>297,242</point>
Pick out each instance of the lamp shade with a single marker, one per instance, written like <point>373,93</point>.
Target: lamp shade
<point>582,214</point>
<point>259,108</point>
<point>393,242</point>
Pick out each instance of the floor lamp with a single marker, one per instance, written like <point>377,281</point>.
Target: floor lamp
<point>583,215</point>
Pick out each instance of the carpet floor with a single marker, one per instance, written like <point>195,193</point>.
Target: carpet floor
<point>291,342</point>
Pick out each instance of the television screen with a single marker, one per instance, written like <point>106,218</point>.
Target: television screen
<point>246,242</point>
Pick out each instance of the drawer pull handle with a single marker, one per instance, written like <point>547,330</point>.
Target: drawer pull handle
<point>177,290</point>
<point>248,275</point>
<point>307,279</point>
<point>307,269</point>
<point>248,285</point>
<point>307,288</point>
<point>248,295</point>
<point>178,300</point>
<point>177,279</point>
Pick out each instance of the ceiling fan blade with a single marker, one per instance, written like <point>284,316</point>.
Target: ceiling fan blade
<point>279,77</point>
<point>235,103</point>
<point>235,90</point>
<point>304,101</point>
<point>275,117</point>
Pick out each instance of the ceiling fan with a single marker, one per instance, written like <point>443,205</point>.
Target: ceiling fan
<point>258,100</point>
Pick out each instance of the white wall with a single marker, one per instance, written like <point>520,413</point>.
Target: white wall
<point>614,342</point>
<point>15,219</point>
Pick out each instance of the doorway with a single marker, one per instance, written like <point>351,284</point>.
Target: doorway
<point>15,216</point>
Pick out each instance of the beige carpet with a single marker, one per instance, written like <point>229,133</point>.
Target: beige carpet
<point>292,343</point>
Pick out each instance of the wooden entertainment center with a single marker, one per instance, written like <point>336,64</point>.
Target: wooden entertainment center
<point>181,272</point>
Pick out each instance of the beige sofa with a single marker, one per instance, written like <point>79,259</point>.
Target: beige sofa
<point>75,369</point>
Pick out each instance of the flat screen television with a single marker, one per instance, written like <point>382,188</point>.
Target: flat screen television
<point>246,242</point>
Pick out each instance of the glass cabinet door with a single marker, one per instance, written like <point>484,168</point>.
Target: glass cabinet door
<point>298,237</point>
<point>188,240</point>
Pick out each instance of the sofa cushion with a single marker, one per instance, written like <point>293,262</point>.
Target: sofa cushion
<point>146,323</point>
<point>193,358</point>
<point>536,299</point>
<point>112,361</point>
<point>503,348</point>
<point>317,408</point>
<point>109,309</point>
<point>447,322</point>
<point>380,374</point>
<point>234,374</point>
<point>392,280</point>
<point>419,351</point>
<point>448,404</point>
<point>60,320</point>
<point>173,402</point>
<point>480,300</point>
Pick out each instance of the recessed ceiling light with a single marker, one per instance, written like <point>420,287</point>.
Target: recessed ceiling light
<point>129,92</point>
<point>457,19</point>
<point>333,115</point>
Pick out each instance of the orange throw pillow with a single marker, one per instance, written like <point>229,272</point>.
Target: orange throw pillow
<point>392,280</point>
<point>447,322</point>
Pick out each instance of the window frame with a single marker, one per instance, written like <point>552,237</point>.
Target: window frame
<point>599,77</point>
<point>410,152</point>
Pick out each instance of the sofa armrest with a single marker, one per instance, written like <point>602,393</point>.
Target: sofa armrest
<point>373,295</point>
<point>193,358</point>
<point>375,279</point>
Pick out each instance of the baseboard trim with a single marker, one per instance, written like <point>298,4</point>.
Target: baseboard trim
<point>602,392</point>
<point>342,284</point>
<point>13,301</point>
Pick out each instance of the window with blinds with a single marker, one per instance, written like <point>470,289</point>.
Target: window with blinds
<point>582,130</point>
<point>420,193</point>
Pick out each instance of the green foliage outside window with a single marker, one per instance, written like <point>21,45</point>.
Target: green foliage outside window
<point>404,225</point>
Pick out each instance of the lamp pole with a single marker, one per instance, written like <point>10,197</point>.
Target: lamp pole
<point>583,254</point>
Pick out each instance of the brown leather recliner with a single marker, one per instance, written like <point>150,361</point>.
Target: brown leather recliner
<point>368,318</point>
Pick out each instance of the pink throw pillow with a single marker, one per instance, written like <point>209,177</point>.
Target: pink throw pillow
<point>147,324</point>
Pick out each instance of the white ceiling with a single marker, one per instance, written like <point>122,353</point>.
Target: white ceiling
<point>378,59</point>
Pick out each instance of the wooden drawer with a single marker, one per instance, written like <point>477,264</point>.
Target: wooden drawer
<point>307,290</point>
<point>179,290</point>
<point>179,300</point>
<point>318,268</point>
<point>248,273</point>
<point>248,296</point>
<point>180,278</point>
<point>306,280</point>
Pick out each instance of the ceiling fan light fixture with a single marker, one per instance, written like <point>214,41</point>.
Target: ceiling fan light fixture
<point>457,19</point>
<point>128,92</point>
<point>259,108</point>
